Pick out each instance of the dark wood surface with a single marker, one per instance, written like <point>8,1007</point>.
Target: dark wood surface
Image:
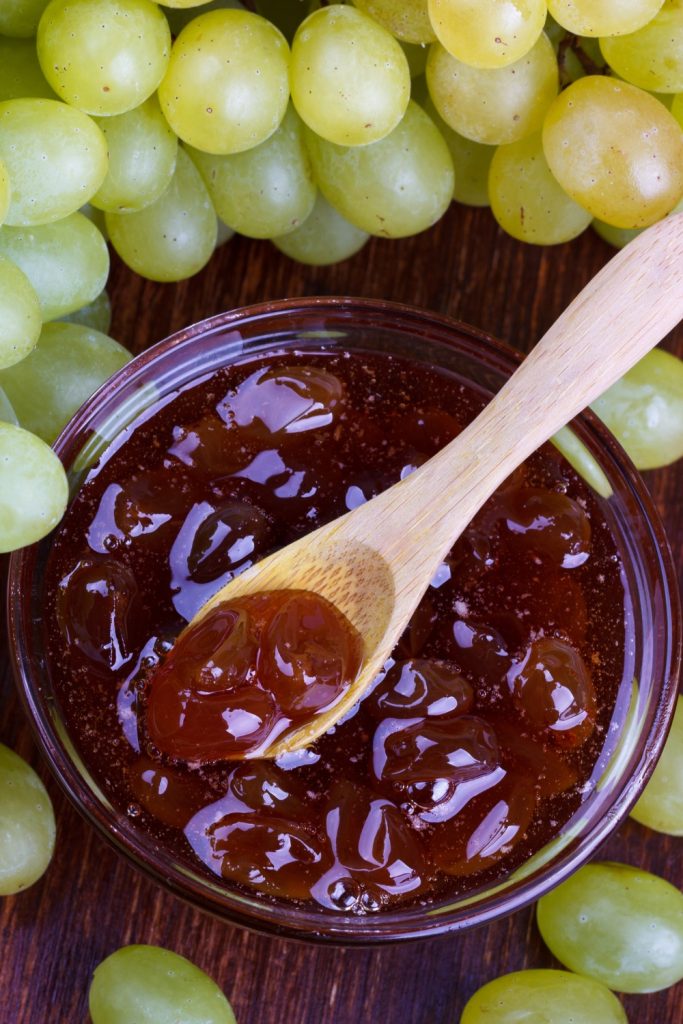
<point>90,902</point>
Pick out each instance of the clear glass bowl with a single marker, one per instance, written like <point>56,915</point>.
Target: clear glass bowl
<point>644,707</point>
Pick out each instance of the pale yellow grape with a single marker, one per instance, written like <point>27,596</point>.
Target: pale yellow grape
<point>5,192</point>
<point>56,158</point>
<point>7,413</point>
<point>267,190</point>
<point>103,56</point>
<point>603,17</point>
<point>96,314</point>
<point>179,17</point>
<point>20,73</point>
<point>494,106</point>
<point>20,318</point>
<point>526,200</point>
<point>395,187</point>
<point>677,108</point>
<point>33,495</point>
<point>227,84</point>
<point>471,162</point>
<point>408,20</point>
<point>19,18</point>
<point>67,262</point>
<point>350,78</point>
<point>661,804</point>
<point>543,997</point>
<point>172,238</point>
<point>652,57</point>
<point>142,157</point>
<point>615,150</point>
<point>27,829</point>
<point>68,364</point>
<point>325,237</point>
<point>487,33</point>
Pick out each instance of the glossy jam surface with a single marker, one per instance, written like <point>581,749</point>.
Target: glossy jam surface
<point>479,739</point>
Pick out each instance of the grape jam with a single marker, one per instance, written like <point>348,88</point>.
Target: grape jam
<point>478,740</point>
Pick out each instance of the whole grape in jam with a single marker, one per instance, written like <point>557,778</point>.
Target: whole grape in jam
<point>477,741</point>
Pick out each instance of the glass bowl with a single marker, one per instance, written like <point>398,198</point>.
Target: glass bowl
<point>645,703</point>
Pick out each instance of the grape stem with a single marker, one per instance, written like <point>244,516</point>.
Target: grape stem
<point>572,43</point>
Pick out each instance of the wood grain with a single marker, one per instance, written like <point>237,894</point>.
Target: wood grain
<point>90,902</point>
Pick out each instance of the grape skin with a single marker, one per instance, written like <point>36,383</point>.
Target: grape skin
<point>33,496</point>
<point>27,837</point>
<point>325,237</point>
<point>487,33</point>
<point>603,17</point>
<point>7,413</point>
<point>471,161</point>
<point>21,76</point>
<point>19,18</point>
<point>652,57</point>
<point>96,314</point>
<point>615,150</point>
<point>660,806</point>
<point>556,996</point>
<point>20,317</point>
<point>407,20</point>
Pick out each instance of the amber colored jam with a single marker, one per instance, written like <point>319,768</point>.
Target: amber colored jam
<point>479,739</point>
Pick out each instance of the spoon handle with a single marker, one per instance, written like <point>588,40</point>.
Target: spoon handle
<point>635,300</point>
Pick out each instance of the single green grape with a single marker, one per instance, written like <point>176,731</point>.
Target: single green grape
<point>267,190</point>
<point>142,157</point>
<point>494,106</point>
<point>677,108</point>
<point>33,496</point>
<point>616,924</point>
<point>350,78</point>
<point>172,238</point>
<point>644,410</point>
<point>660,806</point>
<point>527,201</point>
<point>67,262</point>
<point>20,316</point>
<point>471,161</point>
<point>617,151</point>
<point>227,84</point>
<point>20,73</point>
<point>103,56</point>
<point>408,20</point>
<point>5,192</point>
<point>395,187</point>
<point>96,314</point>
<point>603,17</point>
<point>618,237</point>
<point>56,158</point>
<point>652,57</point>
<point>487,33</point>
<point>325,237</point>
<point>151,985</point>
<point>553,997</point>
<point>27,836</point>
<point>69,363</point>
<point>19,18</point>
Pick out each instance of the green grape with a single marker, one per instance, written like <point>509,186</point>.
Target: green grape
<point>227,84</point>
<point>66,262</point>
<point>287,15</point>
<point>267,190</point>
<point>546,997</point>
<point>617,151</point>
<point>487,33</point>
<point>172,238</point>
<point>350,78</point>
<point>677,108</point>
<point>498,105</point>
<point>652,57</point>
<point>69,363</point>
<point>324,238</point>
<point>5,192</point>
<point>96,314</point>
<point>616,924</point>
<point>27,836</point>
<point>20,317</point>
<point>7,413</point>
<point>33,496</point>
<point>20,73</point>
<point>408,20</point>
<point>19,18</point>
<point>644,410</point>
<point>661,804</point>
<point>223,233</point>
<point>56,158</point>
<point>471,162</point>
<point>526,200</point>
<point>395,187</point>
<point>142,156</point>
<point>618,237</point>
<point>151,985</point>
<point>103,56</point>
<point>603,17</point>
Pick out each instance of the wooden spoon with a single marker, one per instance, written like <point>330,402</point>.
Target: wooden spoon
<point>376,562</point>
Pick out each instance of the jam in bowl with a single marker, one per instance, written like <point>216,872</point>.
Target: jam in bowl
<point>510,729</point>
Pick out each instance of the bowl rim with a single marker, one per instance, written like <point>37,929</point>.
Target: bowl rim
<point>279,918</point>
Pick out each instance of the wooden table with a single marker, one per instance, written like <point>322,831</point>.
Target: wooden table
<point>91,902</point>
